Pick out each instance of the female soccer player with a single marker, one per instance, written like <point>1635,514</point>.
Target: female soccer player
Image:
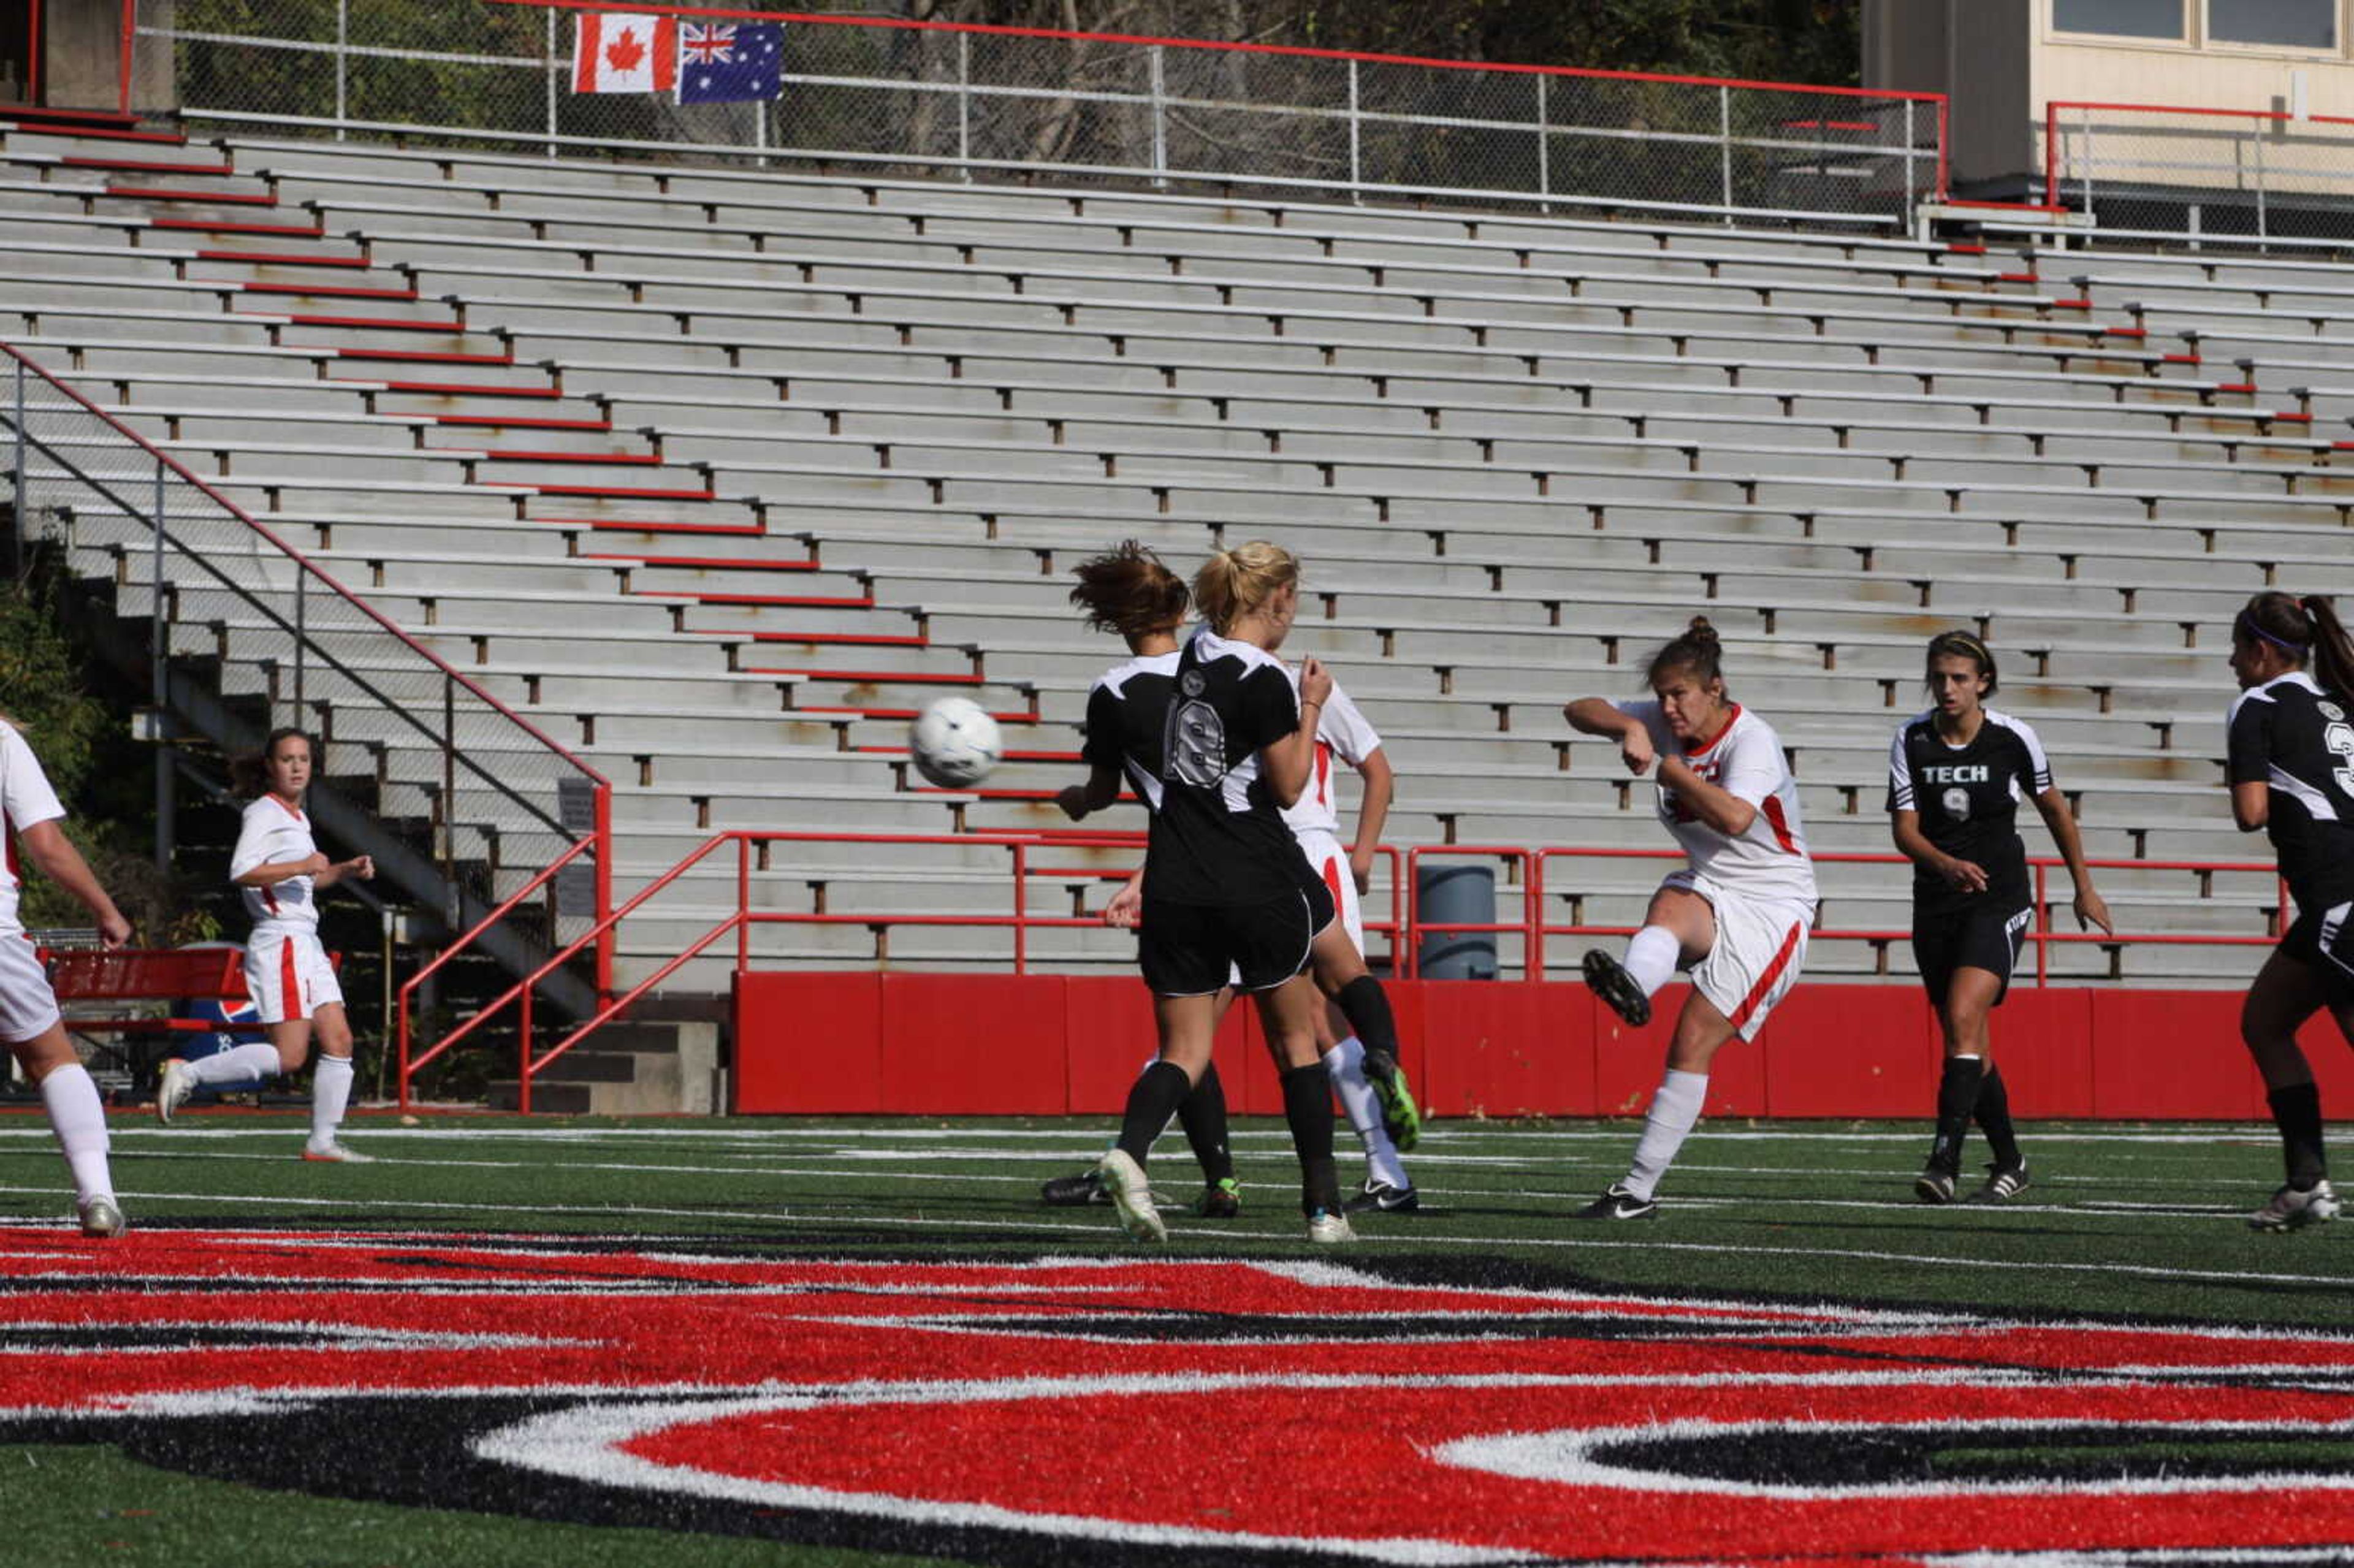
<point>280,871</point>
<point>29,1007</point>
<point>1216,752</point>
<point>1736,916</point>
<point>2291,765</point>
<point>1383,1119</point>
<point>1956,776</point>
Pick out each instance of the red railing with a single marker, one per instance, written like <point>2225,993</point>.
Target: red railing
<point>171,522</point>
<point>1404,929</point>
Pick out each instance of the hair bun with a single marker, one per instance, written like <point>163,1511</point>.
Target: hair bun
<point>1701,631</point>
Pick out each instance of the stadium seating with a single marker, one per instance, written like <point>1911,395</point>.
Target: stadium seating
<point>721,473</point>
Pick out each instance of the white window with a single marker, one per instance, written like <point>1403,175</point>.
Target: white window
<point>2126,18</point>
<point>2284,24</point>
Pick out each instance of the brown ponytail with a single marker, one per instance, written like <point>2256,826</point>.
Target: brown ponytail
<point>1698,651</point>
<point>1129,591</point>
<point>2333,654</point>
<point>248,774</point>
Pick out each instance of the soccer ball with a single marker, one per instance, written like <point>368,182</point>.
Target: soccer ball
<point>955,742</point>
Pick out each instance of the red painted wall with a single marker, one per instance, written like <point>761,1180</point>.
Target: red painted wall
<point>1057,1045</point>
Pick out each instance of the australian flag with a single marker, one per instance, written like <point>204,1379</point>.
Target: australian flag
<point>730,62</point>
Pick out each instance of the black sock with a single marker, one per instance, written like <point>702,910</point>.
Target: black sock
<point>1151,1101</point>
<point>1202,1114</point>
<point>1994,1120</point>
<point>1308,1107</point>
<point>1957,1094</point>
<point>2296,1111</point>
<point>1367,1008</point>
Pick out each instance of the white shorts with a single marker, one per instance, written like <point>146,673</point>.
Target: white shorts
<point>288,976</point>
<point>1761,946</point>
<point>29,1007</point>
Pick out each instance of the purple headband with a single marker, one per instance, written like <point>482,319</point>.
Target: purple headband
<point>2247,624</point>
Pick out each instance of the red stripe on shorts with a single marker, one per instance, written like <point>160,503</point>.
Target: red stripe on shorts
<point>1757,993</point>
<point>290,982</point>
<point>1333,881</point>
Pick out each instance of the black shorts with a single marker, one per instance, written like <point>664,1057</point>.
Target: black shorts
<point>2323,937</point>
<point>1981,935</point>
<point>1196,949</point>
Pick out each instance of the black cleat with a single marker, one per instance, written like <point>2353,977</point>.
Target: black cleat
<point>1618,1204</point>
<point>1401,1118</point>
<point>1382,1197</point>
<point>2003,1183</point>
<point>1074,1192</point>
<point>1223,1201</point>
<point>1608,979</point>
<point>1934,1185</point>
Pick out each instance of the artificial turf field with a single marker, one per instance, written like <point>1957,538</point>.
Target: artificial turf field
<point>832,1342</point>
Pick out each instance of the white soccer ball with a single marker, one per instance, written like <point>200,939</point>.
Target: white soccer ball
<point>955,742</point>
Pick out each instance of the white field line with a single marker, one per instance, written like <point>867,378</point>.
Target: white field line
<point>1405,1235</point>
<point>1088,1128</point>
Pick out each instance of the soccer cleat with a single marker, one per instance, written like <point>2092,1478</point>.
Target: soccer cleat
<point>2291,1210</point>
<point>1131,1197</point>
<point>1326,1228</point>
<point>101,1218</point>
<point>1608,979</point>
<point>1222,1201</point>
<point>179,1083</point>
<point>1383,1197</point>
<point>1074,1192</point>
<point>2003,1183</point>
<point>336,1154</point>
<point>1401,1118</point>
<point>1618,1204</point>
<point>1934,1185</point>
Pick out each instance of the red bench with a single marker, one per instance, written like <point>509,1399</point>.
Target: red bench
<point>95,976</point>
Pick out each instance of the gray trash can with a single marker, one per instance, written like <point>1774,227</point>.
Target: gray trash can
<point>1456,893</point>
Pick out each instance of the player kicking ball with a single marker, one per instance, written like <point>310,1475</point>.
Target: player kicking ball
<point>1736,916</point>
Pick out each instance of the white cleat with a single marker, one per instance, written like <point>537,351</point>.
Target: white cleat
<point>2291,1210</point>
<point>101,1218</point>
<point>1328,1229</point>
<point>1131,1197</point>
<point>336,1154</point>
<point>179,1083</point>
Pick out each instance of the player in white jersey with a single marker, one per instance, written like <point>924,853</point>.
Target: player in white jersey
<point>278,868</point>
<point>29,1023</point>
<point>1736,916</point>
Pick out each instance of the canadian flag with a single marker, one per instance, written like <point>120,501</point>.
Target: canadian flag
<point>624,51</point>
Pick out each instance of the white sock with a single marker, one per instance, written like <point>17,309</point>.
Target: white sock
<point>79,1119</point>
<point>331,1091</point>
<point>1346,1064</point>
<point>1651,955</point>
<point>1674,1109</point>
<point>237,1064</point>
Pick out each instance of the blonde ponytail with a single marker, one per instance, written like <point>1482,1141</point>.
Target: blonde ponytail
<point>1233,583</point>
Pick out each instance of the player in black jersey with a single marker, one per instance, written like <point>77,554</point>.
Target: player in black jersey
<point>2291,766</point>
<point>1128,591</point>
<point>1956,776</point>
<point>1229,747</point>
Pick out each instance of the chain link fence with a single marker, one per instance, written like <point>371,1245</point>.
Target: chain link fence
<point>459,798</point>
<point>983,104</point>
<point>2198,176</point>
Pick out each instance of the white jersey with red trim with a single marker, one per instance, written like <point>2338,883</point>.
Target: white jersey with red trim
<point>1766,860</point>
<point>26,800</point>
<point>1341,734</point>
<point>275,834</point>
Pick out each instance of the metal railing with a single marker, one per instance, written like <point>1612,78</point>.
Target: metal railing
<point>2202,177</point>
<point>495,797</point>
<point>1001,102</point>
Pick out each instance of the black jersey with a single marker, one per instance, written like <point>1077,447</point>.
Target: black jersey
<point>1218,835</point>
<point>2294,736</point>
<point>1128,713</point>
<point>1968,798</point>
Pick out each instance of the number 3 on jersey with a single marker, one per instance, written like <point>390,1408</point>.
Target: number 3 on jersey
<point>2340,739</point>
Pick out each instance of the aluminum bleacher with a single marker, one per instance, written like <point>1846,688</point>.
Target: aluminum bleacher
<point>719,474</point>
